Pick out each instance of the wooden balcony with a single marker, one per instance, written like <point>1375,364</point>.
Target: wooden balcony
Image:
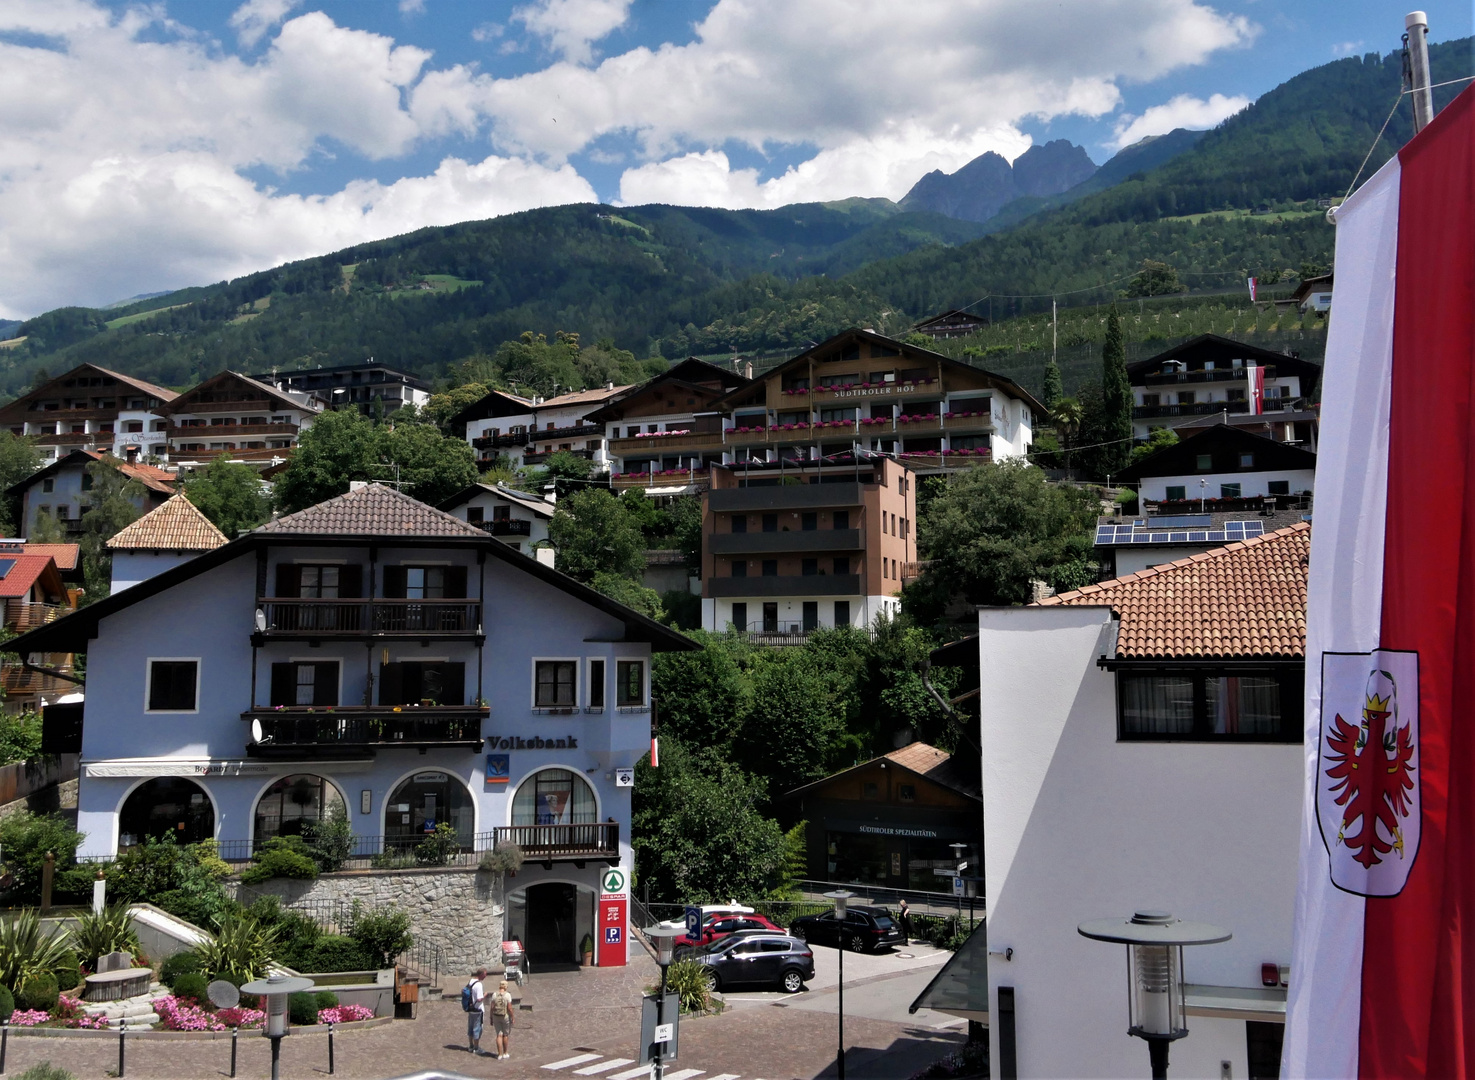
<point>299,618</point>
<point>19,681</point>
<point>303,731</point>
<point>502,441</point>
<point>506,527</point>
<point>564,843</point>
<point>223,431</point>
<point>21,616</point>
<point>659,445</point>
<point>1198,408</point>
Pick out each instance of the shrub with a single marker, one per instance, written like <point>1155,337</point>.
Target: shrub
<point>26,955</point>
<point>38,992</point>
<point>437,848</point>
<point>688,980</point>
<point>184,881</point>
<point>281,857</point>
<point>206,855</point>
<point>330,841</point>
<point>383,932</point>
<point>109,930</point>
<point>326,999</point>
<point>240,949</point>
<point>181,963</point>
<point>502,859</point>
<point>336,952</point>
<point>46,1071</point>
<point>7,1003</point>
<point>201,907</point>
<point>25,839</point>
<point>68,971</point>
<point>302,1008</point>
<point>344,1014</point>
<point>191,984</point>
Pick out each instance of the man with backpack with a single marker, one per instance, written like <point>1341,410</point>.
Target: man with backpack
<point>473,999</point>
<point>501,1008</point>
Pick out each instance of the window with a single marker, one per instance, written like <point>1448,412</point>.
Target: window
<point>808,522</point>
<point>554,797</point>
<point>318,582</point>
<point>841,565</point>
<point>292,804</point>
<point>1247,461</point>
<point>475,514</point>
<point>1175,493</point>
<point>809,567</point>
<point>305,682</point>
<point>501,513</point>
<point>842,612</point>
<point>870,790</point>
<point>1278,487</point>
<point>739,523</point>
<point>1151,400</point>
<point>1229,491</point>
<point>1209,704</point>
<point>1234,394</point>
<point>770,523</point>
<point>173,685</point>
<point>596,685</point>
<point>86,481</point>
<point>811,615</point>
<point>842,519</point>
<point>885,568</point>
<point>739,568</point>
<point>907,792</point>
<point>1186,397</point>
<point>419,682</point>
<point>424,582</point>
<point>48,484</point>
<point>770,617</point>
<point>133,427</point>
<point>159,425</point>
<point>422,802</point>
<point>630,683</point>
<point>1203,462</point>
<point>770,568</point>
<point>739,616</point>
<point>556,684</point>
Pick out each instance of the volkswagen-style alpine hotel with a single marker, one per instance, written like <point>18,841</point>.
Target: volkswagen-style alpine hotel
<point>374,654</point>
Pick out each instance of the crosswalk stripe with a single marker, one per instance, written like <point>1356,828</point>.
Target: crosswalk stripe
<point>684,1074</point>
<point>605,1066</point>
<point>579,1060</point>
<point>631,1074</point>
<point>725,1076</point>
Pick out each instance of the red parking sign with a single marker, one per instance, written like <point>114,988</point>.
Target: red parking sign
<point>610,951</point>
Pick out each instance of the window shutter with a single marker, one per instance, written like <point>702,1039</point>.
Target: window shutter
<point>289,580</point>
<point>455,582</point>
<point>394,582</point>
<point>391,684</point>
<point>350,582</point>
<point>325,683</point>
<point>453,682</point>
<point>283,684</point>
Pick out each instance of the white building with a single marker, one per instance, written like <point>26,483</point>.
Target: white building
<point>528,430</point>
<point>1221,464</point>
<point>517,518</point>
<point>1142,749</point>
<point>358,385</point>
<point>90,407</point>
<point>239,417</point>
<point>167,536</point>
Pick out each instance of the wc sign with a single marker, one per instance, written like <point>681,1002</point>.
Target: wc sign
<point>614,897</point>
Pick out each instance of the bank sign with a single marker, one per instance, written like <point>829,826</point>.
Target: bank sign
<point>612,926</point>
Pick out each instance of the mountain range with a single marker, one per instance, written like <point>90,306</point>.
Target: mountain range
<point>667,280</point>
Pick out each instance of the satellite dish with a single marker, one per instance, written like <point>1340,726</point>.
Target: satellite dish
<point>260,621</point>
<point>258,734</point>
<point>223,995</point>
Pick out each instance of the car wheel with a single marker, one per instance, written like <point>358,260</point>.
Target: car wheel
<point>714,984</point>
<point>793,982</point>
<point>856,944</point>
<point>798,932</point>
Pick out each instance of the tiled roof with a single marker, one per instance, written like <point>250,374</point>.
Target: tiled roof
<point>581,397</point>
<point>372,510</point>
<point>934,764</point>
<point>177,525</point>
<point>150,476</point>
<point>65,555</point>
<point>1245,600</point>
<point>23,574</point>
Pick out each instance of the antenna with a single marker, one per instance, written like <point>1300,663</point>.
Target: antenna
<point>396,483</point>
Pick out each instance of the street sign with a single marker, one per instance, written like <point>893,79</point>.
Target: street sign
<point>946,873</point>
<point>610,947</point>
<point>614,881</point>
<point>648,1026</point>
<point>693,921</point>
<point>624,778</point>
<point>665,1033</point>
<point>957,886</point>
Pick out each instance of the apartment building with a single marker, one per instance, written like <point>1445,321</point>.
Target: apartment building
<point>235,415</point>
<point>358,385</point>
<point>90,407</point>
<point>790,547</point>
<point>528,430</point>
<point>62,490</point>
<point>373,653</point>
<point>1213,378</point>
<point>517,518</point>
<point>1222,465</point>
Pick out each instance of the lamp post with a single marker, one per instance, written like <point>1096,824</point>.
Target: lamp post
<point>275,990</point>
<point>1155,999</point>
<point>664,938</point>
<point>841,897</point>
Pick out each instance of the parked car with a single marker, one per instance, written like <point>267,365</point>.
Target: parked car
<point>717,927</point>
<point>749,958</point>
<point>864,930</point>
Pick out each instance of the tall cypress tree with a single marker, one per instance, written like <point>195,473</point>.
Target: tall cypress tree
<point>1116,393</point>
<point>1050,390</point>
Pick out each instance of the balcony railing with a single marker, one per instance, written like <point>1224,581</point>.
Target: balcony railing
<point>506,527</point>
<point>354,618</point>
<point>656,445</point>
<point>502,441</point>
<point>1200,408</point>
<point>19,680</point>
<point>786,585</point>
<point>289,730</point>
<point>21,616</point>
<point>220,431</point>
<point>529,458</point>
<point>730,543</point>
<point>596,840</point>
<point>1217,375</point>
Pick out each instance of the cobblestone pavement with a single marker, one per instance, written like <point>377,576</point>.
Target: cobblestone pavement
<point>593,1015</point>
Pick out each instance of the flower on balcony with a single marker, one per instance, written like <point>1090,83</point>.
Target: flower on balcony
<point>398,709</point>
<point>731,430</point>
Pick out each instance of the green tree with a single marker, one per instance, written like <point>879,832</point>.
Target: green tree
<point>18,460</point>
<point>592,533</point>
<point>1157,439</point>
<point>630,593</point>
<point>1116,393</point>
<point>25,839</point>
<point>1051,390</point>
<point>567,471</point>
<point>703,695</point>
<point>992,530</point>
<point>431,465</point>
<point>230,494</point>
<point>441,407</point>
<point>1154,279</point>
<point>112,504</point>
<point>339,447</point>
<point>794,725</point>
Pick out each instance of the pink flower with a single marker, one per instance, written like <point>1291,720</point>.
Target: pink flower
<point>241,1017</point>
<point>29,1017</point>
<point>344,1014</point>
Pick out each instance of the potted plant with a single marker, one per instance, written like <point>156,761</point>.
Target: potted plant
<point>586,950</point>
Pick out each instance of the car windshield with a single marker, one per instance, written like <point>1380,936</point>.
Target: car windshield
<point>721,946</point>
<point>884,922</point>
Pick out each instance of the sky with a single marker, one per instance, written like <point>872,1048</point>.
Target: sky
<point>150,146</point>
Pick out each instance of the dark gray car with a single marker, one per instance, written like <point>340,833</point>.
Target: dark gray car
<point>754,959</point>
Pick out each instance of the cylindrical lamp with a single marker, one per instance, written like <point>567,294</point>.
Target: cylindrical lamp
<point>274,990</point>
<point>841,898</point>
<point>664,939</point>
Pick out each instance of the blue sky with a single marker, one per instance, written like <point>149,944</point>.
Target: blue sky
<point>146,147</point>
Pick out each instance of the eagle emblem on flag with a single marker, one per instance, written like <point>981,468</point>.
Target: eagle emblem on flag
<point>1367,791</point>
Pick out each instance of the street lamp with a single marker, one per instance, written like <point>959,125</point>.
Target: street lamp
<point>841,897</point>
<point>275,990</point>
<point>1155,1001</point>
<point>664,938</point>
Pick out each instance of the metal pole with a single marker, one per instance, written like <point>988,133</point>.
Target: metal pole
<point>840,1051</point>
<point>122,1031</point>
<point>276,1058</point>
<point>330,1047</point>
<point>1157,1050</point>
<point>4,1038</point>
<point>235,1033</point>
<point>1416,23</point>
<point>660,1070</point>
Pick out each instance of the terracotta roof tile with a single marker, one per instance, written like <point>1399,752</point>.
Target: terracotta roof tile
<point>177,525</point>
<point>372,510</point>
<point>1245,600</point>
<point>65,555</point>
<point>932,763</point>
<point>23,573</point>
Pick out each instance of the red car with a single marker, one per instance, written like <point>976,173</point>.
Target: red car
<point>719,926</point>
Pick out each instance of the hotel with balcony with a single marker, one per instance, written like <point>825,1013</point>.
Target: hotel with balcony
<point>1208,380</point>
<point>238,416</point>
<point>792,546</point>
<point>62,490</point>
<point>346,656</point>
<point>359,386</point>
<point>529,430</point>
<point>91,408</point>
<point>517,518</point>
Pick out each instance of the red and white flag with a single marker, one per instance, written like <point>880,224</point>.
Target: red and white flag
<point>1383,974</point>
<point>1252,290</point>
<point>1255,378</point>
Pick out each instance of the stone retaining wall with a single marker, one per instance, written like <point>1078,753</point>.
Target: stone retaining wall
<point>459,910</point>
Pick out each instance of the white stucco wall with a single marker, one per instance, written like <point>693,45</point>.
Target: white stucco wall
<point>1079,826</point>
<point>1250,483</point>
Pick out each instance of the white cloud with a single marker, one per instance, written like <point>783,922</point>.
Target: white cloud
<point>411,7</point>
<point>572,26</point>
<point>487,31</point>
<point>254,18</point>
<point>1183,111</point>
<point>1346,48</point>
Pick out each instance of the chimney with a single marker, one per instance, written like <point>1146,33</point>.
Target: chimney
<point>132,453</point>
<point>748,370</point>
<point>610,385</point>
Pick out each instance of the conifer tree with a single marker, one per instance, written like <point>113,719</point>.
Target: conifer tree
<point>1051,390</point>
<point>1116,393</point>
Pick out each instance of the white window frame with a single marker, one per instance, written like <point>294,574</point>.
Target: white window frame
<point>644,705</point>
<point>552,710</point>
<point>148,683</point>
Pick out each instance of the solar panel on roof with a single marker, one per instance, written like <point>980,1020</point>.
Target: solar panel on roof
<point>5,565</point>
<point>1105,534</point>
<point>1182,521</point>
<point>1254,528</point>
<point>1159,537</point>
<point>1198,537</point>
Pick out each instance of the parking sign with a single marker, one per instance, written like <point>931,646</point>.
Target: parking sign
<point>693,921</point>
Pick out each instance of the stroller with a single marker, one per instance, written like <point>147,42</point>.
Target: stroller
<point>514,962</point>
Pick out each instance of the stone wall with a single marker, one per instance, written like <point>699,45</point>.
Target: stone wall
<point>460,910</point>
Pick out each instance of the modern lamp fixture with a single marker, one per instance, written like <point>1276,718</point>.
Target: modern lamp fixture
<point>664,939</point>
<point>841,897</point>
<point>274,990</point>
<point>1155,998</point>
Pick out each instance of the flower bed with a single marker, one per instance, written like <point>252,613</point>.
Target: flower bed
<point>660,434</point>
<point>915,418</point>
<point>177,1014</point>
<point>344,1014</point>
<point>67,1014</point>
<point>969,412</point>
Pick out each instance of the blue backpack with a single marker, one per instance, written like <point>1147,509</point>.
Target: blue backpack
<point>468,1001</point>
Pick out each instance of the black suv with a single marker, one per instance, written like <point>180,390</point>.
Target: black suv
<point>863,930</point>
<point>753,958</point>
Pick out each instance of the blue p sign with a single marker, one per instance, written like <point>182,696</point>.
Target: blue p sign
<point>693,922</point>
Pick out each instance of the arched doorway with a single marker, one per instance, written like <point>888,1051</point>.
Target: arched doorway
<point>292,803</point>
<point>166,806</point>
<point>550,918</point>
<point>423,801</point>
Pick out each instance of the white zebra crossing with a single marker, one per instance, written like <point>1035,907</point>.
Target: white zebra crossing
<point>597,1065</point>
<point>603,1066</point>
<point>579,1059</point>
<point>631,1074</point>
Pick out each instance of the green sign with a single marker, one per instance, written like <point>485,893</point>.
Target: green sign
<point>614,880</point>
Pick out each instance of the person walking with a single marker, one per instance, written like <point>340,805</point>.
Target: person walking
<point>904,916</point>
<point>473,1001</point>
<point>500,1006</point>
